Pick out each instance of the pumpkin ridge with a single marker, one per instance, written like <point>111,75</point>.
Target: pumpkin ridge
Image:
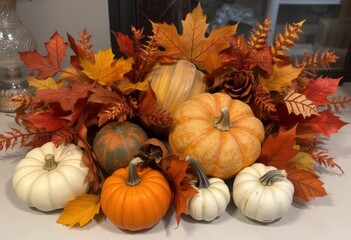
<point>199,138</point>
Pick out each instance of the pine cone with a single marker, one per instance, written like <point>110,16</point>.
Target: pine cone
<point>237,84</point>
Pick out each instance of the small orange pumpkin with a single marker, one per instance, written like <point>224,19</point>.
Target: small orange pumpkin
<point>116,144</point>
<point>222,134</point>
<point>135,199</point>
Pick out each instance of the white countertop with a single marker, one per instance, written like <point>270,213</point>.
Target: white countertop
<point>323,218</point>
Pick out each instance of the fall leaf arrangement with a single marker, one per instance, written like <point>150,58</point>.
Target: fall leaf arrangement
<point>132,105</point>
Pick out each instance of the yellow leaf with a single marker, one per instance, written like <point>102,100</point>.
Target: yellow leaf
<point>193,45</point>
<point>106,70</point>
<point>303,161</point>
<point>48,83</point>
<point>127,87</point>
<point>80,210</point>
<point>280,77</point>
<point>73,75</point>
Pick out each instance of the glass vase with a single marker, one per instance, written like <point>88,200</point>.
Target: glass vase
<point>14,38</point>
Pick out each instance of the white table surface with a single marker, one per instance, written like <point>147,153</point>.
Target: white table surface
<point>323,218</point>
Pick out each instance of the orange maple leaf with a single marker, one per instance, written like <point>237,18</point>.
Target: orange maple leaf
<point>278,151</point>
<point>48,65</point>
<point>307,185</point>
<point>192,44</point>
<point>175,170</point>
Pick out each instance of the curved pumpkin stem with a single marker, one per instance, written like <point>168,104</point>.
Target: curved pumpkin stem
<point>268,178</point>
<point>203,180</point>
<point>133,177</point>
<point>50,163</point>
<point>223,122</point>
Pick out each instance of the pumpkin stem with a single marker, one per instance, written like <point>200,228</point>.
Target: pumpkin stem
<point>50,162</point>
<point>203,180</point>
<point>133,177</point>
<point>268,178</point>
<point>223,122</point>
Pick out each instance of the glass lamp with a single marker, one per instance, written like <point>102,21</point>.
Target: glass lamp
<point>14,38</point>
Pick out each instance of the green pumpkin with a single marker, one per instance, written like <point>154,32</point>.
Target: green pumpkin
<point>116,144</point>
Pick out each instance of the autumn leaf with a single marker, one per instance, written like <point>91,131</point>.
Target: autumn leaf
<point>263,59</point>
<point>105,70</point>
<point>175,170</point>
<point>278,151</point>
<point>103,95</point>
<point>326,123</point>
<point>280,77</point>
<point>72,74</point>
<point>67,96</point>
<point>319,89</point>
<point>50,64</point>
<point>193,45</point>
<point>127,87</point>
<point>40,84</point>
<point>307,185</point>
<point>297,103</point>
<point>49,119</point>
<point>80,211</point>
<point>126,45</point>
<point>303,161</point>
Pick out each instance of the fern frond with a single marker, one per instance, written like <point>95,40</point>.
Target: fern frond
<point>338,102</point>
<point>259,35</point>
<point>284,42</point>
<point>323,159</point>
<point>64,136</point>
<point>263,100</point>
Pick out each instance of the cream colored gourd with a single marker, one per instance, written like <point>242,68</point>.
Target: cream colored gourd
<point>212,198</point>
<point>175,83</point>
<point>262,193</point>
<point>48,177</point>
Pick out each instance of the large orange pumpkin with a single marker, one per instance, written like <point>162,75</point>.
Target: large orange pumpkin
<point>116,144</point>
<point>135,199</point>
<point>222,134</point>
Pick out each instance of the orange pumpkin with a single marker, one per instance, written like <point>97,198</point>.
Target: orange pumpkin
<point>116,144</point>
<point>135,199</point>
<point>222,134</point>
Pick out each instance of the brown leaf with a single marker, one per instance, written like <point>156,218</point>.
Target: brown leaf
<point>153,150</point>
<point>297,103</point>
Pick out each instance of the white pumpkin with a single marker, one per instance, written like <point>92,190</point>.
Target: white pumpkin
<point>212,198</point>
<point>48,177</point>
<point>262,193</point>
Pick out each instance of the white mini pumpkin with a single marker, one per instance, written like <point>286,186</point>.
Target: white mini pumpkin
<point>212,198</point>
<point>262,193</point>
<point>48,177</point>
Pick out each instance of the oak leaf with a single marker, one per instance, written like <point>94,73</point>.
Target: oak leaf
<point>175,170</point>
<point>279,150</point>
<point>80,211</point>
<point>193,45</point>
<point>307,185</point>
<point>67,96</point>
<point>319,89</point>
<point>105,70</point>
<point>326,123</point>
<point>50,64</point>
<point>280,77</point>
<point>297,103</point>
<point>40,84</point>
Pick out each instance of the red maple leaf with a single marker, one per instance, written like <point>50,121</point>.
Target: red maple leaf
<point>50,64</point>
<point>278,151</point>
<point>67,96</point>
<point>307,185</point>
<point>49,119</point>
<point>126,45</point>
<point>326,123</point>
<point>318,90</point>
